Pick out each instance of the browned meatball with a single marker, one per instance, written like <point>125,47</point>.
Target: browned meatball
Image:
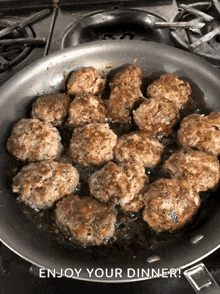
<point>135,204</point>
<point>200,169</point>
<point>121,102</point>
<point>157,116</point>
<point>120,184</point>
<point>85,220</point>
<point>139,148</point>
<point>170,204</point>
<point>92,144</point>
<point>201,132</point>
<point>40,184</point>
<point>86,108</point>
<point>169,87</point>
<point>34,140</point>
<point>129,76</point>
<point>85,80</point>
<point>52,108</point>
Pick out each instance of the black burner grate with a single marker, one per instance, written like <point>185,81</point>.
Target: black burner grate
<point>205,41</point>
<point>12,53</point>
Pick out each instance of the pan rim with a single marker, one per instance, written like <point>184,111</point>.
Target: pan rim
<point>115,281</point>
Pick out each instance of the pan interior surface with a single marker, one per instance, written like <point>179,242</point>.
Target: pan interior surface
<point>48,75</point>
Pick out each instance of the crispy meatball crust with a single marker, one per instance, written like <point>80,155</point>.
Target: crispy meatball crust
<point>34,140</point>
<point>138,148</point>
<point>170,204</point>
<point>169,87</point>
<point>40,184</point>
<point>52,108</point>
<point>92,144</point>
<point>200,169</point>
<point>119,184</point>
<point>85,80</point>
<point>129,76</point>
<point>121,102</point>
<point>85,220</point>
<point>157,116</point>
<point>201,132</point>
<point>84,109</point>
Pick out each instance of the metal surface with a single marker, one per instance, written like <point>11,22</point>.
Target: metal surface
<point>27,41</point>
<point>24,22</point>
<point>4,63</point>
<point>48,75</point>
<point>217,5</point>
<point>193,24</point>
<point>196,12</point>
<point>201,280</point>
<point>134,24</point>
<point>22,52</point>
<point>204,39</point>
<point>210,50</point>
<point>55,12</point>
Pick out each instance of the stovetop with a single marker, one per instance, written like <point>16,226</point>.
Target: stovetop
<point>16,274</point>
<point>69,13</point>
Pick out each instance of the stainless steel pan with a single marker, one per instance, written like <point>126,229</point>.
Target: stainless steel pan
<point>48,75</point>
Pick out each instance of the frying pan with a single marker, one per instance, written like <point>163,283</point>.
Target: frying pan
<point>48,75</point>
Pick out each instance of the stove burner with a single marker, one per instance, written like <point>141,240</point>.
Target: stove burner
<point>130,24</point>
<point>204,42</point>
<point>12,54</point>
<point>123,36</point>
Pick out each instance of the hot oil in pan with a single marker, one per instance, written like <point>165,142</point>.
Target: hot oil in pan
<point>132,234</point>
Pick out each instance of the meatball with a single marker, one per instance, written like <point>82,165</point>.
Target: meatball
<point>201,132</point>
<point>121,102</point>
<point>120,184</point>
<point>86,108</point>
<point>34,140</point>
<point>85,80</point>
<point>92,144</point>
<point>85,220</point>
<point>134,205</point>
<point>157,116</point>
<point>40,184</point>
<point>129,76</point>
<point>200,169</point>
<point>139,148</point>
<point>170,204</point>
<point>52,108</point>
<point>169,87</point>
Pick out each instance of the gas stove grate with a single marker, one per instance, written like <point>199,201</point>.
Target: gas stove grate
<point>10,52</point>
